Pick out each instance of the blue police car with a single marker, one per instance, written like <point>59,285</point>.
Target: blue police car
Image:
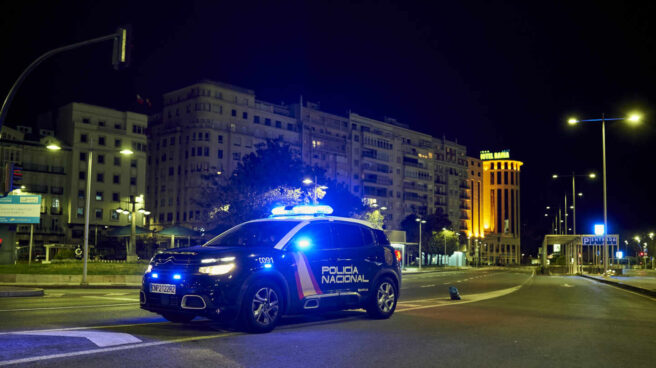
<point>298,261</point>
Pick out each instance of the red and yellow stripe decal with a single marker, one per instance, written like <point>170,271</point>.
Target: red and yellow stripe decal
<point>306,284</point>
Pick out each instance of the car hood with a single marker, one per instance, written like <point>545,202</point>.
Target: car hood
<point>194,255</point>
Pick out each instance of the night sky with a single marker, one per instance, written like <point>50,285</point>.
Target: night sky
<point>492,75</point>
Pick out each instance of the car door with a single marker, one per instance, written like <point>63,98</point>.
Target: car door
<point>355,260</point>
<point>314,252</point>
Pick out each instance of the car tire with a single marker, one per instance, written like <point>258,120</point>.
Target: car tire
<point>261,307</point>
<point>382,302</point>
<point>178,317</point>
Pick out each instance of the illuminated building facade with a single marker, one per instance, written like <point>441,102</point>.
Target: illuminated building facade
<point>497,222</point>
<point>60,176</point>
<point>209,126</point>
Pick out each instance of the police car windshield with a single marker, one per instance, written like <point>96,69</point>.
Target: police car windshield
<point>254,234</point>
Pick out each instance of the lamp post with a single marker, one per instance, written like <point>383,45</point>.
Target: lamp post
<point>421,259</point>
<point>308,181</point>
<point>634,118</point>
<point>573,176</point>
<point>87,206</point>
<point>131,251</point>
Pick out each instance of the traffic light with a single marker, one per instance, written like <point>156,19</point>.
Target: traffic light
<point>122,48</point>
<point>642,254</point>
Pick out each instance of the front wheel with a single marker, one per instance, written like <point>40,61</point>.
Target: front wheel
<point>262,307</point>
<point>383,302</point>
<point>178,317</point>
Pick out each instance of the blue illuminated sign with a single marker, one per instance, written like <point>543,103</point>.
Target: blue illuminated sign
<point>599,229</point>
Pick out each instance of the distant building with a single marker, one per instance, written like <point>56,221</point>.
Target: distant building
<point>499,209</point>
<point>60,176</point>
<point>208,127</point>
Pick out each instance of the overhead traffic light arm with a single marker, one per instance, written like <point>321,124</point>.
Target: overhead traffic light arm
<point>122,34</point>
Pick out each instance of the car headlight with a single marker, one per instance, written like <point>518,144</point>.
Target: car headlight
<point>150,268</point>
<point>217,269</point>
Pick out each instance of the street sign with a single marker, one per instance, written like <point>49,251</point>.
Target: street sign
<point>20,209</point>
<point>590,240</point>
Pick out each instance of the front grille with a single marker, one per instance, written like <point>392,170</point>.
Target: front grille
<point>163,300</point>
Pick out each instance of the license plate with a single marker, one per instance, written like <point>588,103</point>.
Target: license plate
<point>162,288</point>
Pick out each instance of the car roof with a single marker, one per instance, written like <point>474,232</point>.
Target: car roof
<point>310,218</point>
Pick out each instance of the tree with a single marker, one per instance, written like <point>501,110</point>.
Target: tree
<point>269,177</point>
<point>375,218</point>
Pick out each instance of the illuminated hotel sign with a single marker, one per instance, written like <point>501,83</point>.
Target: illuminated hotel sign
<point>487,155</point>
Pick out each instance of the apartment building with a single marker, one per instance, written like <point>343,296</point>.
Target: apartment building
<point>60,176</point>
<point>207,127</point>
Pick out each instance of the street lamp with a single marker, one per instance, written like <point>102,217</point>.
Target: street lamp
<point>131,252</point>
<point>633,118</point>
<point>56,147</point>
<point>421,259</point>
<point>573,207</point>
<point>308,181</point>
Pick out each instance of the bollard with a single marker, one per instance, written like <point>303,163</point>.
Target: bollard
<point>454,293</point>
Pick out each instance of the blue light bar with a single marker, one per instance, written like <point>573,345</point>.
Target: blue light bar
<point>154,275</point>
<point>177,276</point>
<point>302,210</point>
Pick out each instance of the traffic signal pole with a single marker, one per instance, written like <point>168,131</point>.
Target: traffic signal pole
<point>120,35</point>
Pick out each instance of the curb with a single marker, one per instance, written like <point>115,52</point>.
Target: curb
<point>21,292</point>
<point>622,286</point>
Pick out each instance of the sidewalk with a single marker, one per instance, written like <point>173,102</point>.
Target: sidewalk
<point>6,291</point>
<point>640,284</point>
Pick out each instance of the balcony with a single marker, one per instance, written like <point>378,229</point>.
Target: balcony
<point>414,186</point>
<point>381,180</point>
<point>407,196</point>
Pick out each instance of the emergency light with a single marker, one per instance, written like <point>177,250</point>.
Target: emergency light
<point>302,210</point>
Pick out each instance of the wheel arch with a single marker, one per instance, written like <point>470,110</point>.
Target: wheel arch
<point>267,275</point>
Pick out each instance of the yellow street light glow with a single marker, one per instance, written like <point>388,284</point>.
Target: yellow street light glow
<point>53,147</point>
<point>592,175</point>
<point>572,121</point>
<point>219,173</point>
<point>555,176</point>
<point>307,181</point>
<point>126,151</point>
<point>636,238</point>
<point>634,118</point>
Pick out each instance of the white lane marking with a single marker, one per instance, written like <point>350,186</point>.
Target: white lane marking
<point>111,298</point>
<point>69,307</point>
<point>101,339</point>
<point>425,286</point>
<point>85,328</point>
<point>116,348</point>
<point>116,294</point>
<point>568,285</point>
<point>467,299</point>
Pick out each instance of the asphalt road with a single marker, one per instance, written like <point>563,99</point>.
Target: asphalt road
<point>505,319</point>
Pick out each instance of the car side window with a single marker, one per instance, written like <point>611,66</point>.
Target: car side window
<point>348,235</point>
<point>367,236</point>
<point>313,236</point>
<point>381,239</point>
